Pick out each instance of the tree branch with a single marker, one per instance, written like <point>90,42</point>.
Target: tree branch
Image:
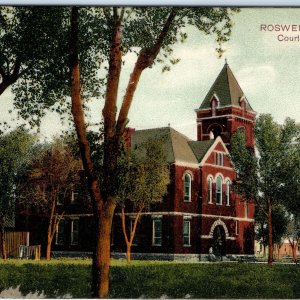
<point>132,232</point>
<point>144,60</point>
<point>124,227</point>
<point>115,59</point>
<point>78,114</point>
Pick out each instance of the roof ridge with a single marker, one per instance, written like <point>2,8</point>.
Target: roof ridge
<point>179,133</point>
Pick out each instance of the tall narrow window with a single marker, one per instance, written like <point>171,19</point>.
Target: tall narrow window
<point>186,232</point>
<point>220,160</point>
<point>60,233</point>
<point>74,196</point>
<point>187,187</point>
<point>213,107</point>
<point>209,190</point>
<point>157,232</point>
<point>236,227</point>
<point>228,193</point>
<point>219,190</point>
<point>246,209</point>
<point>74,232</point>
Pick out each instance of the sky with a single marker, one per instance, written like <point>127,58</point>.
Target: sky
<point>264,63</point>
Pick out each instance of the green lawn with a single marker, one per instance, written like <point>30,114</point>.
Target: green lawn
<point>154,279</point>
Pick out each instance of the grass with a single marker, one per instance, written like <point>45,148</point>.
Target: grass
<point>153,279</point>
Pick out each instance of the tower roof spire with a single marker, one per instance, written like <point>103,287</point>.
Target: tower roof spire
<point>227,89</point>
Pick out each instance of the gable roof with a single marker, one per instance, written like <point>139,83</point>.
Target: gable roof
<point>211,149</point>
<point>178,148</point>
<point>227,90</point>
<point>175,144</point>
<point>200,148</point>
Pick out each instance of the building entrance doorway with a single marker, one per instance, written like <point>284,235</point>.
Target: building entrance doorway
<point>219,241</point>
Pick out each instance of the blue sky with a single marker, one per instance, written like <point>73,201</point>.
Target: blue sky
<point>267,70</point>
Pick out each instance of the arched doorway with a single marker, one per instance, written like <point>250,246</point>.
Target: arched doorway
<point>219,241</point>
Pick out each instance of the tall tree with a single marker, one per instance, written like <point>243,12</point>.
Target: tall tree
<point>50,178</point>
<point>267,176</point>
<point>144,177</point>
<point>149,32</point>
<point>14,155</point>
<point>291,186</point>
<point>273,142</point>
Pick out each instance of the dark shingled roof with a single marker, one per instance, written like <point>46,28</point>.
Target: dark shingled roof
<point>227,90</point>
<point>178,148</point>
<point>200,148</point>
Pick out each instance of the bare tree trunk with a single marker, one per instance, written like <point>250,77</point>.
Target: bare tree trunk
<point>129,240</point>
<point>103,211</point>
<point>128,253</point>
<point>48,250</point>
<point>294,250</point>
<point>270,229</point>
<point>101,259</point>
<point>104,200</point>
<point>2,239</point>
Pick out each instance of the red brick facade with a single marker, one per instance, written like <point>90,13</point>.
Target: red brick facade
<point>214,219</point>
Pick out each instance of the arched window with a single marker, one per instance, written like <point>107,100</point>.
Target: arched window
<point>228,193</point>
<point>209,189</point>
<point>213,107</point>
<point>219,190</point>
<point>187,187</point>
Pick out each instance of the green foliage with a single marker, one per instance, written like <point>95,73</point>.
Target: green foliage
<point>30,38</point>
<point>143,174</point>
<point>14,156</point>
<point>277,152</point>
<point>291,168</point>
<point>154,279</point>
<point>280,220</point>
<point>245,164</point>
<point>47,85</point>
<point>51,174</point>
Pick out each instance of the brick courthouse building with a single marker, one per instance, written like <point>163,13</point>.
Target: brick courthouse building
<point>200,214</point>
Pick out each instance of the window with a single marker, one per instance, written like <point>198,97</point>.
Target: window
<point>74,196</point>
<point>228,193</point>
<point>246,209</point>
<point>157,232</point>
<point>60,199</point>
<point>186,232</point>
<point>74,232</point>
<point>214,105</point>
<point>219,158</point>
<point>187,187</point>
<point>209,189</point>
<point>60,233</point>
<point>219,190</point>
<point>236,227</point>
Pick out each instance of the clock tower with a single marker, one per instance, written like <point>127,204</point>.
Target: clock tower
<point>225,110</point>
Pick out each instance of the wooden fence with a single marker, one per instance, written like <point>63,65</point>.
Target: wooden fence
<point>30,252</point>
<point>13,242</point>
